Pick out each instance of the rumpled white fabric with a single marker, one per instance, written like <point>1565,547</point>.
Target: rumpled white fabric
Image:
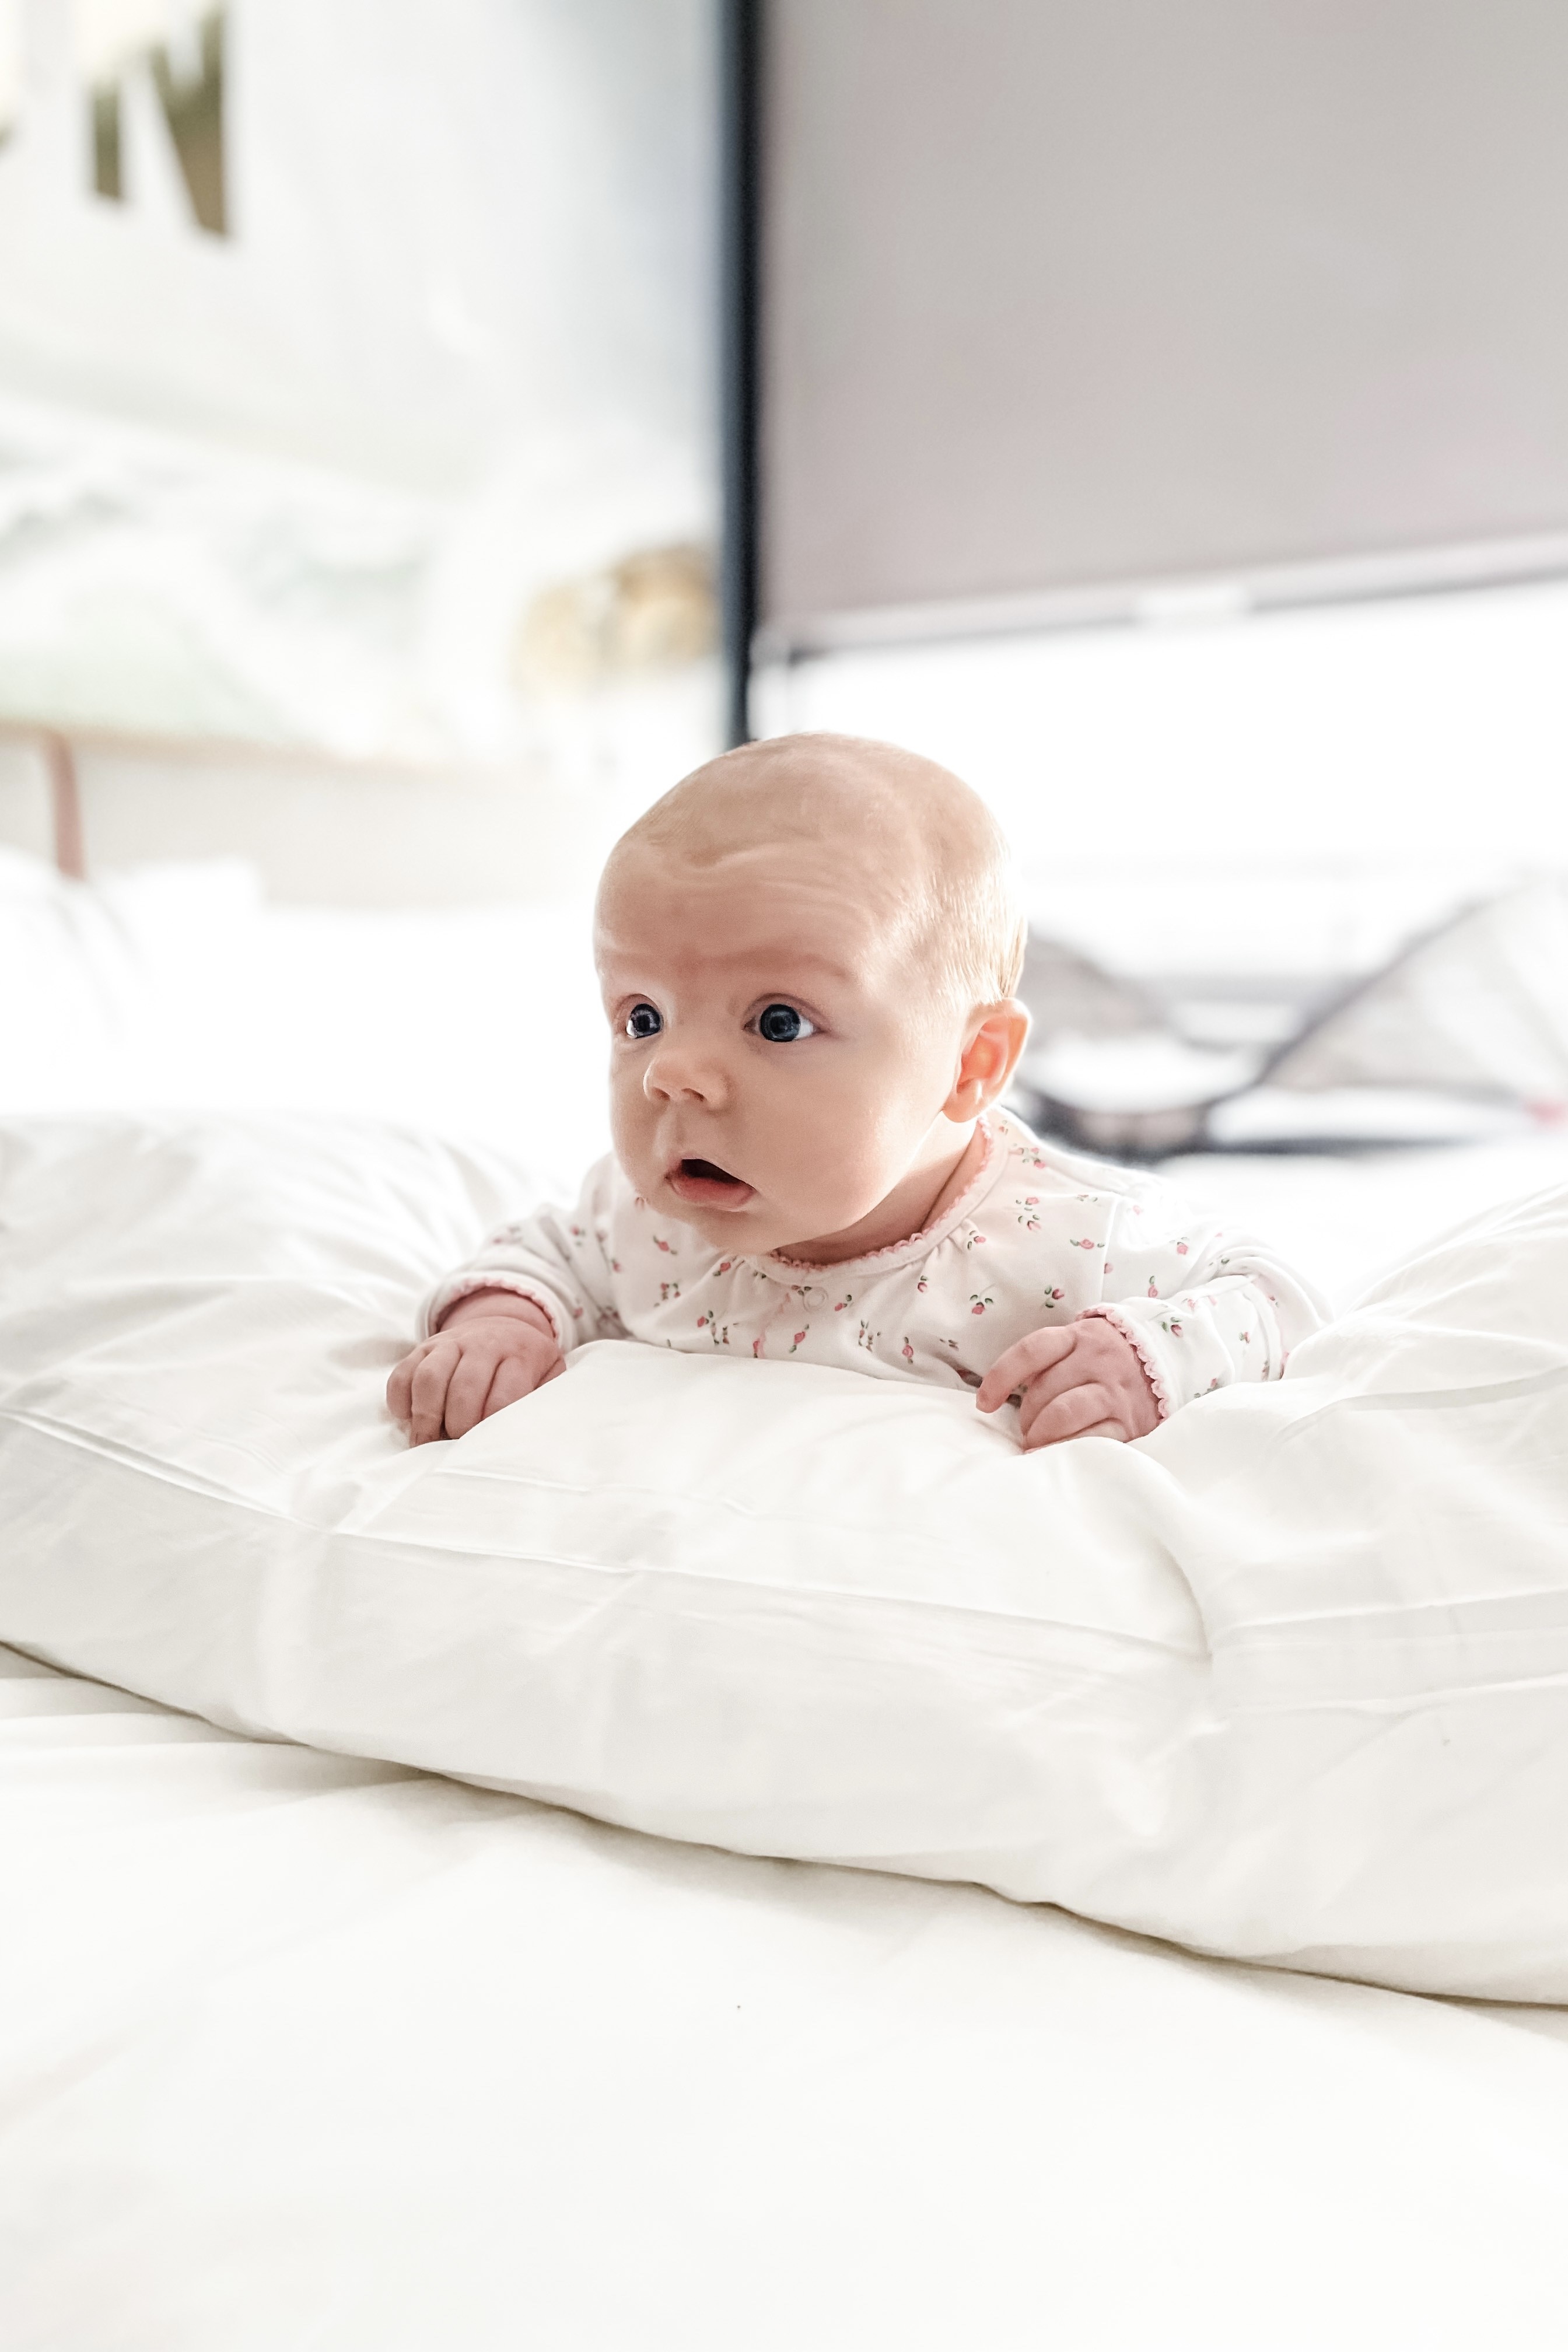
<point>1287,1681</point>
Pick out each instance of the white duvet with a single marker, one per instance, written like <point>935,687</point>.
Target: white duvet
<point>1287,1681</point>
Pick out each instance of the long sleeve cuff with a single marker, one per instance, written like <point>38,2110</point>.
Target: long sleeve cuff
<point>477,1279</point>
<point>1200,1341</point>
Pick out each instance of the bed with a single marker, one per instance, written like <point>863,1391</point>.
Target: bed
<point>308,2048</point>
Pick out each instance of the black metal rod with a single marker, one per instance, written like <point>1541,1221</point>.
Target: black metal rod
<point>739,89</point>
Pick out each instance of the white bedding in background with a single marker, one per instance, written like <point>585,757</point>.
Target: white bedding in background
<point>183,985</point>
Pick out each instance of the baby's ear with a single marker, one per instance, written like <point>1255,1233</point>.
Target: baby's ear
<point>994,1037</point>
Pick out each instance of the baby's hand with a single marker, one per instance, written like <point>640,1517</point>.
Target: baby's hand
<point>492,1348</point>
<point>1084,1380</point>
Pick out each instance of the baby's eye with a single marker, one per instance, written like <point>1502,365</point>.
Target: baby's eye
<point>643,1021</point>
<point>781,1024</point>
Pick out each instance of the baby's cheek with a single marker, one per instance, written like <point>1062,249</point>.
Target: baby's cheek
<point>631,1129</point>
<point>839,1172</point>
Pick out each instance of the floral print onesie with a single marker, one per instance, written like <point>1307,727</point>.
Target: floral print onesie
<point>1037,1237</point>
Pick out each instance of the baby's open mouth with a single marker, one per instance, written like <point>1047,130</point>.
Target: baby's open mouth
<point>707,1185</point>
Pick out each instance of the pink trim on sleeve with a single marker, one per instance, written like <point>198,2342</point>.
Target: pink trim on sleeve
<point>1135,1340</point>
<point>466,1286</point>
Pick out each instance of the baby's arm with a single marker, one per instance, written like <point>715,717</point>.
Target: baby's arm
<point>1187,1309</point>
<point>490,1347</point>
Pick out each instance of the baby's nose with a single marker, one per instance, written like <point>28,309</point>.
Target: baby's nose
<point>680,1071</point>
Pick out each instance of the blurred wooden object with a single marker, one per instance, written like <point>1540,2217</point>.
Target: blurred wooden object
<point>65,803</point>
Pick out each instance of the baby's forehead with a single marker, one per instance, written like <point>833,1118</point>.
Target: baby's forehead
<point>714,896</point>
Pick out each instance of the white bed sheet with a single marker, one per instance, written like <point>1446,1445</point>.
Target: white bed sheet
<point>301,2051</point>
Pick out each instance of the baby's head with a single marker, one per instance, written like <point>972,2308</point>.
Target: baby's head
<point>808,952</point>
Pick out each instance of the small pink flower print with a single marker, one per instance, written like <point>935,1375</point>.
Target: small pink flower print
<point>1212,1386</point>
<point>923,1283</point>
<point>1109,1267</point>
<point>1181,1249</point>
<point>1153,1287</point>
<point>980,1304</point>
<point>906,1353</point>
<point>1083,1245</point>
<point>661,1244</point>
<point>577,1233</point>
<point>794,1343</point>
<point>865,1338</point>
<point>576,1315</point>
<point>668,1290</point>
<point>848,1300</point>
<point>1055,1297</point>
<point>1030,1200</point>
<point>723,1266</point>
<point>1168,1323</point>
<point>615,1265</point>
<point>757,1343</point>
<point>1246,1339</point>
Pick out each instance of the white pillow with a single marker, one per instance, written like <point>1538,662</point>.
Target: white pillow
<point>1288,1680</point>
<point>181,984</point>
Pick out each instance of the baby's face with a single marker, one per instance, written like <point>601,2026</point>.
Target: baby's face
<point>777,1068</point>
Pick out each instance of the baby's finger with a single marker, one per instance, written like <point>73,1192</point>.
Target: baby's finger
<point>400,1384</point>
<point>470,1385</point>
<point>515,1377</point>
<point>1019,1364</point>
<point>1067,1415</point>
<point>427,1392</point>
<point>1059,1379</point>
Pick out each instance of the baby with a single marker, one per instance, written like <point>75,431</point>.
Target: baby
<point>808,952</point>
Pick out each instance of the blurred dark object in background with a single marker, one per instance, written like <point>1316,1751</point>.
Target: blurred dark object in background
<point>1462,1033</point>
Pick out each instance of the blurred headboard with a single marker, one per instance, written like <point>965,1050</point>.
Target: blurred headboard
<point>318,828</point>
